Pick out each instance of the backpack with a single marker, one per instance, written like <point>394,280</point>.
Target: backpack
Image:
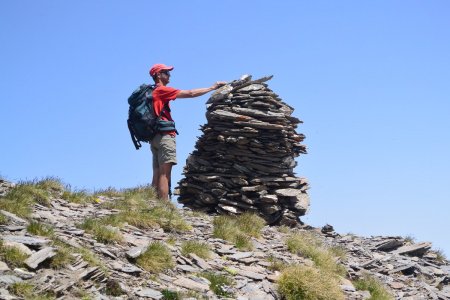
<point>143,124</point>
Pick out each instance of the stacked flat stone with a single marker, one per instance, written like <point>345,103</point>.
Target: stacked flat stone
<point>244,160</point>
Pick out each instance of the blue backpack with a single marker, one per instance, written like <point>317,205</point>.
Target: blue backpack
<point>142,121</point>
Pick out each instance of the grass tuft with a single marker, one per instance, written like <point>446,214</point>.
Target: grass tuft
<point>108,192</point>
<point>3,219</point>
<point>22,197</point>
<point>102,233</point>
<point>198,248</point>
<point>113,288</point>
<point>137,209</point>
<point>156,258</point>
<point>307,283</point>
<point>251,224</point>
<point>170,295</point>
<point>26,290</point>
<point>62,258</point>
<point>374,286</point>
<point>284,229</point>
<point>219,284</point>
<point>238,229</point>
<point>440,256</point>
<point>79,197</point>
<point>308,245</point>
<point>12,256</point>
<point>53,185</point>
<point>93,261</point>
<point>22,289</point>
<point>38,228</point>
<point>276,264</point>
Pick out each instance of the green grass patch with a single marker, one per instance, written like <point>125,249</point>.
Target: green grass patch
<point>219,284</point>
<point>171,240</point>
<point>22,289</point>
<point>53,185</point>
<point>38,228</point>
<point>3,219</point>
<point>339,252</point>
<point>276,264</point>
<point>92,259</point>
<point>62,258</point>
<point>168,217</point>
<point>22,197</point>
<point>198,248</point>
<point>113,288</point>
<point>284,229</point>
<point>156,258</point>
<point>238,229</point>
<point>308,245</point>
<point>377,290</point>
<point>170,295</point>
<point>139,208</point>
<point>307,283</point>
<point>108,192</point>
<point>12,256</point>
<point>79,197</point>
<point>27,291</point>
<point>102,233</point>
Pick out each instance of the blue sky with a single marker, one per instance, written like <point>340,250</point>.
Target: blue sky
<point>370,80</point>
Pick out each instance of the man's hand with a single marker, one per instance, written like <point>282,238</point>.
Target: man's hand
<point>218,84</point>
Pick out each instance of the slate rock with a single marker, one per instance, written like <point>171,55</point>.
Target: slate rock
<point>149,293</point>
<point>40,256</point>
<point>9,279</point>
<point>26,240</point>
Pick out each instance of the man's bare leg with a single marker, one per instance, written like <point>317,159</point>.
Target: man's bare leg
<point>165,171</point>
<point>155,178</point>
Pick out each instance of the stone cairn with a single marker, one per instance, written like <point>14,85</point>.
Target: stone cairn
<point>244,160</point>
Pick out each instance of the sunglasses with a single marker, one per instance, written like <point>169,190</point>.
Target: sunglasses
<point>166,72</point>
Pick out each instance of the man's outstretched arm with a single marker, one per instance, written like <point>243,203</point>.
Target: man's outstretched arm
<point>199,92</point>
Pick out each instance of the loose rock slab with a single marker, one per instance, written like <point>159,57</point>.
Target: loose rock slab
<point>35,259</point>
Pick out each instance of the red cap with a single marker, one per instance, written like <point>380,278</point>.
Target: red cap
<point>158,68</point>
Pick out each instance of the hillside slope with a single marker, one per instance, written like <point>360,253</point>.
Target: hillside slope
<point>67,257</point>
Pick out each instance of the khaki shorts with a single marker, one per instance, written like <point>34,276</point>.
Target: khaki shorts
<point>164,150</point>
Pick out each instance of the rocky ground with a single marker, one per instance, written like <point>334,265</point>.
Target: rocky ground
<point>409,270</point>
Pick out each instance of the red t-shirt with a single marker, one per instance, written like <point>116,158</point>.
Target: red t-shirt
<point>162,95</point>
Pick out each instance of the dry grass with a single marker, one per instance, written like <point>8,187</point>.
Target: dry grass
<point>307,283</point>
<point>284,229</point>
<point>440,256</point>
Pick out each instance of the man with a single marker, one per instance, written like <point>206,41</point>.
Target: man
<point>163,145</point>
